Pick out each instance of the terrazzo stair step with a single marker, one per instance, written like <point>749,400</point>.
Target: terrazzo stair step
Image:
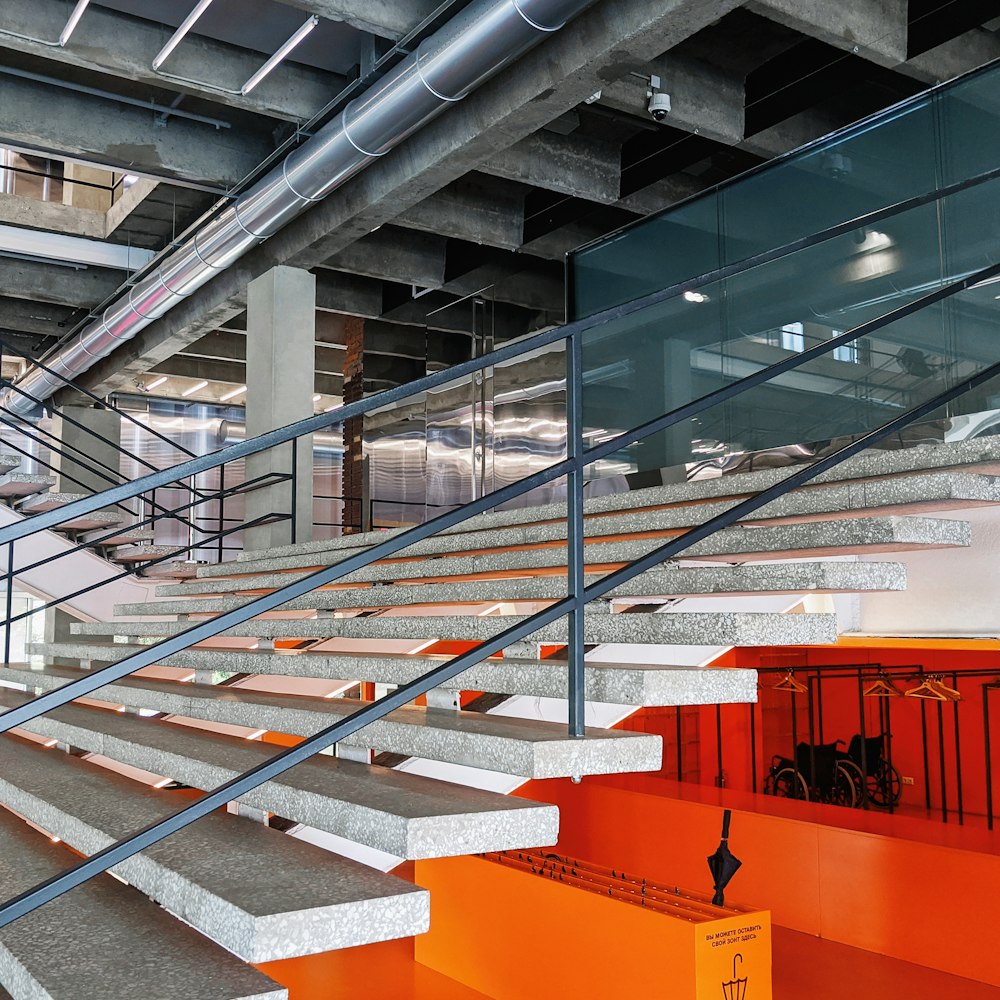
<point>980,456</point>
<point>728,628</point>
<point>177,569</point>
<point>24,484</point>
<point>126,536</point>
<point>143,553</point>
<point>647,512</point>
<point>407,815</point>
<point>259,894</point>
<point>105,940</point>
<point>100,519</point>
<point>7,464</point>
<point>643,684</point>
<point>42,502</point>
<point>663,582</point>
<point>736,544</point>
<point>522,747</point>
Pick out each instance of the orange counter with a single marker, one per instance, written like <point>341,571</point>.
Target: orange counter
<point>927,903</point>
<point>517,936</point>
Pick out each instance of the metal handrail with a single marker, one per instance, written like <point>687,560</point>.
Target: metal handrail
<point>277,765</point>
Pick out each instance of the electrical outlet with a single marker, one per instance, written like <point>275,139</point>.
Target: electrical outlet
<point>907,781</point>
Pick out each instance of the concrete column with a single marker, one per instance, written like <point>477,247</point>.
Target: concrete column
<point>354,429</point>
<point>281,336</point>
<point>670,367</point>
<point>96,443</point>
<point>83,195</point>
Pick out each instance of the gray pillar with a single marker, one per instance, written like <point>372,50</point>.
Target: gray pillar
<point>97,446</point>
<point>57,629</point>
<point>281,336</point>
<point>670,366</point>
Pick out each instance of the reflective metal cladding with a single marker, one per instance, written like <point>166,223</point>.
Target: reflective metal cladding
<point>473,46</point>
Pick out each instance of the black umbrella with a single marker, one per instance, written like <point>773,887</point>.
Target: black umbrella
<point>723,865</point>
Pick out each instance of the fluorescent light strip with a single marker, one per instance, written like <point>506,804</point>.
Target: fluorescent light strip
<point>257,735</point>
<point>74,20</point>
<point>233,394</point>
<point>317,398</point>
<point>157,383</point>
<point>195,388</point>
<point>175,39</point>
<point>279,56</point>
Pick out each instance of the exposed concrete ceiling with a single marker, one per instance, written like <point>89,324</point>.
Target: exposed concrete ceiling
<point>486,200</point>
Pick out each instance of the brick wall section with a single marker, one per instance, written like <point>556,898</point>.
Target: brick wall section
<point>354,337</point>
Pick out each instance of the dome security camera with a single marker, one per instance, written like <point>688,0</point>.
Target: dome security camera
<point>659,105</point>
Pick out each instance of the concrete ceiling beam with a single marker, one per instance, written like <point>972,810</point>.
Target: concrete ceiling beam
<point>36,281</point>
<point>873,29</point>
<point>581,168</point>
<point>491,214</point>
<point>393,253</point>
<point>121,46</point>
<point>48,119</point>
<point>953,58</point>
<point>385,18</point>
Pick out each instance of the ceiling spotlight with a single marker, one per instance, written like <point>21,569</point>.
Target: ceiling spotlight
<point>691,296</point>
<point>195,388</point>
<point>156,383</point>
<point>280,55</point>
<point>232,394</point>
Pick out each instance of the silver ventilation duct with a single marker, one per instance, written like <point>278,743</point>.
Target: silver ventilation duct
<point>483,39</point>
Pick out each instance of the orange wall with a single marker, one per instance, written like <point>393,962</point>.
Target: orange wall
<point>926,903</point>
<point>841,720</point>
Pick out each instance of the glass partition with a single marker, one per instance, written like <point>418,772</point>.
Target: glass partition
<point>939,191</point>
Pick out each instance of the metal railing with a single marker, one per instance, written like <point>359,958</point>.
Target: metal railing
<point>572,606</point>
<point>579,593</point>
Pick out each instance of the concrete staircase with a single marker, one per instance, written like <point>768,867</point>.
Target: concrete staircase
<point>86,773</point>
<point>31,493</point>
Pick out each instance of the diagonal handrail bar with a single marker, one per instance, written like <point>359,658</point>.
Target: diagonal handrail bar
<point>508,352</point>
<point>206,630</point>
<point>277,765</point>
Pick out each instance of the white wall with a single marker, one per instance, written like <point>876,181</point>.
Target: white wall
<point>948,592</point>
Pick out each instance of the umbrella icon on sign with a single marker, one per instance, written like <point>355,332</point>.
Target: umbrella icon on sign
<point>735,989</point>
<point>723,864</point>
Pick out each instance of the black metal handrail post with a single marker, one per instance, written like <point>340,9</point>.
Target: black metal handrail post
<point>575,558</point>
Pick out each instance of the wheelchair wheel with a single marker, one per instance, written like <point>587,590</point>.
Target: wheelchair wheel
<point>886,787</point>
<point>790,784</point>
<point>857,779</point>
<point>843,792</point>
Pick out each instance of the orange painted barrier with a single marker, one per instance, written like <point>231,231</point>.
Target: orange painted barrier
<point>513,935</point>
